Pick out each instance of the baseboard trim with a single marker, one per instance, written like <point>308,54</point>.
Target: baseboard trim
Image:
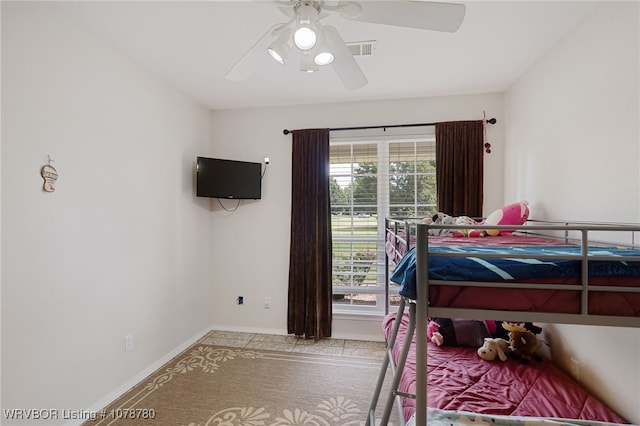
<point>109,399</point>
<point>282,332</point>
<point>351,336</point>
<point>254,330</point>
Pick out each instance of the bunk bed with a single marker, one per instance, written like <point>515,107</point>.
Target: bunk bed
<point>598,284</point>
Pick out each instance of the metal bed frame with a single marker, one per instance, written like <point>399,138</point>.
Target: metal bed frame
<point>419,309</point>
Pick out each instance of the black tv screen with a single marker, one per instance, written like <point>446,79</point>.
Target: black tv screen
<point>231,179</point>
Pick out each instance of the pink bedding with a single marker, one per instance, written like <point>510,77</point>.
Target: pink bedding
<point>503,240</point>
<point>457,379</point>
<point>534,300</point>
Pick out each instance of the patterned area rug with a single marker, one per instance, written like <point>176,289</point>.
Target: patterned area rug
<point>214,385</point>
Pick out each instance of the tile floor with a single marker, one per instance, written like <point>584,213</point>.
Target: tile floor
<point>338,347</point>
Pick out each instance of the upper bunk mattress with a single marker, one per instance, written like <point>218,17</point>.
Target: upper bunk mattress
<point>539,264</point>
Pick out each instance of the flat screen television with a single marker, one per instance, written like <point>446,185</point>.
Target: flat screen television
<point>218,178</point>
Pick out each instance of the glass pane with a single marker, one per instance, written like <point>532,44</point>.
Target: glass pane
<point>412,180</point>
<point>426,211</point>
<point>358,190</point>
<point>402,189</point>
<point>341,224</point>
<point>354,263</point>
<point>402,212</point>
<point>365,153</point>
<point>403,152</point>
<point>340,154</point>
<point>426,183</point>
<point>365,224</point>
<point>426,150</point>
<point>359,299</point>
<point>365,190</point>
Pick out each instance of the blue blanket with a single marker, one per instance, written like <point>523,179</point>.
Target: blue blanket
<point>477,268</point>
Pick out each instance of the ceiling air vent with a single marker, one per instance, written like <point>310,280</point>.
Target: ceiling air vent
<point>362,48</point>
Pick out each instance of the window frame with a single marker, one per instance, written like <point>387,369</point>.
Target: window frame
<point>383,206</point>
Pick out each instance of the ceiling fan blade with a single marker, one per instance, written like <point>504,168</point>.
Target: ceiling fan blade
<point>344,64</point>
<point>248,62</point>
<point>423,15</point>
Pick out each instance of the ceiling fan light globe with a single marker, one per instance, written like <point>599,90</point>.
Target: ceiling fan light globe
<point>323,58</point>
<point>279,49</point>
<point>304,38</point>
<point>276,56</point>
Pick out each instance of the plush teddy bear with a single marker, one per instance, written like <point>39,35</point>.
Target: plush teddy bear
<point>433,333</point>
<point>525,345</point>
<point>511,214</point>
<point>492,348</point>
<point>502,328</point>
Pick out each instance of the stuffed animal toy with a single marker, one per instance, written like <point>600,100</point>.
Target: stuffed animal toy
<point>502,328</point>
<point>511,214</point>
<point>444,219</point>
<point>466,220</point>
<point>441,219</point>
<point>492,348</point>
<point>457,332</point>
<point>433,333</point>
<point>525,345</point>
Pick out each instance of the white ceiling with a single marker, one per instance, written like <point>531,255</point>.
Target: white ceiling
<point>192,44</point>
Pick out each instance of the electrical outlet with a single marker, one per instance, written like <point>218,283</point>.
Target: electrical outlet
<point>267,303</point>
<point>240,300</point>
<point>266,160</point>
<point>575,369</point>
<point>128,343</point>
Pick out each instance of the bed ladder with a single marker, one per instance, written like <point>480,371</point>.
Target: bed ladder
<point>396,370</point>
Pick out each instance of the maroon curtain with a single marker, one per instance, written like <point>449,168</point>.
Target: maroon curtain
<point>460,167</point>
<point>309,304</point>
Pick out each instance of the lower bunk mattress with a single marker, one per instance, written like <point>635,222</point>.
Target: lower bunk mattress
<point>458,380</point>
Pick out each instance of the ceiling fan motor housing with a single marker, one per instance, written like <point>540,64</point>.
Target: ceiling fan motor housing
<point>316,4</point>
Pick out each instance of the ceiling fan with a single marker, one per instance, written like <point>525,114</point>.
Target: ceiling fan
<point>322,45</point>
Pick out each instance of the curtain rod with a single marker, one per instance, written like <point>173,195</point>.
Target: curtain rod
<point>335,129</point>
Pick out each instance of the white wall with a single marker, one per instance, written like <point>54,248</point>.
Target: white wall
<point>572,131</point>
<point>122,246</point>
<point>252,244</point>
<point>572,123</point>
